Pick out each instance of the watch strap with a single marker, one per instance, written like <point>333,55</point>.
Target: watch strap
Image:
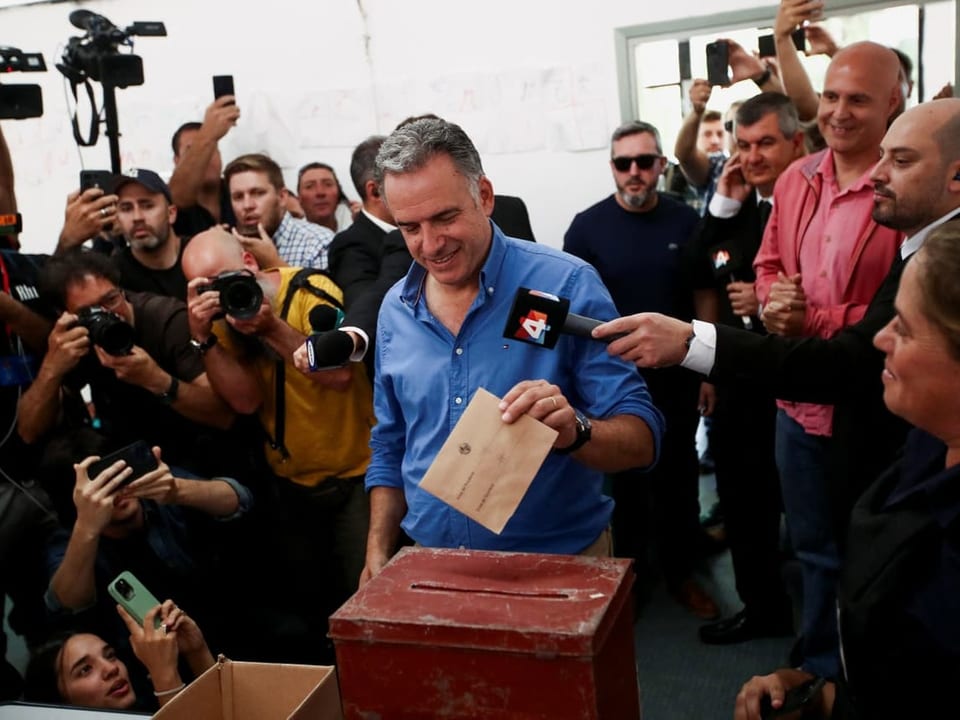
<point>170,395</point>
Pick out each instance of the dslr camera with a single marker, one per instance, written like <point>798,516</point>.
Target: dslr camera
<point>108,330</point>
<point>240,293</point>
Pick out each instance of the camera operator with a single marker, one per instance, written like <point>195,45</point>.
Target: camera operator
<point>134,351</point>
<point>318,428</point>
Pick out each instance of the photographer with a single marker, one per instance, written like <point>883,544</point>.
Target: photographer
<point>318,428</point>
<point>133,350</point>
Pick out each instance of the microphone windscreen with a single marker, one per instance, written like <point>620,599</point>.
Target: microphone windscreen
<point>329,349</point>
<point>324,317</point>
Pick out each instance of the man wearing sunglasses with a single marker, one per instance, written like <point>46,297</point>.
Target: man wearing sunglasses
<point>638,240</point>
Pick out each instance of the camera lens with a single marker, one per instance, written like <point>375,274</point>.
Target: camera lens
<point>241,297</point>
<point>124,588</point>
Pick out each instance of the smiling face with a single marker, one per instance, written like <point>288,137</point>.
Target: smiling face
<point>860,93</point>
<point>89,674</point>
<point>444,224</point>
<point>636,187</point>
<point>919,371</point>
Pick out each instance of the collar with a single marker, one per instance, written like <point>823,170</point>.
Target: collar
<point>413,284</point>
<point>284,227</point>
<point>760,198</point>
<point>915,241</point>
<point>828,171</point>
<point>382,224</point>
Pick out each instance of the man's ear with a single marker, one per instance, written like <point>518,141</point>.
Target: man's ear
<point>371,189</point>
<point>486,195</point>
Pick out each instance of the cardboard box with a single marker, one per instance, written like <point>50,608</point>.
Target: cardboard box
<point>258,691</point>
<point>470,634</point>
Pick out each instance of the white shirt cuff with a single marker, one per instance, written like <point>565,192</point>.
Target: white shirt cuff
<point>723,207</point>
<point>703,348</point>
<point>358,355</point>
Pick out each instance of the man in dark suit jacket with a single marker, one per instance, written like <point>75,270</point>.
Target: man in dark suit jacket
<point>917,188</point>
<point>769,138</point>
<point>356,253</point>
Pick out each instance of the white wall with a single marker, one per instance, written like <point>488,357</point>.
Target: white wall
<point>533,82</point>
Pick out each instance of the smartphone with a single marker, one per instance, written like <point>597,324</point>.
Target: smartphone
<point>133,597</point>
<point>102,179</point>
<point>222,85</point>
<point>138,456</point>
<point>767,47</point>
<point>718,62</point>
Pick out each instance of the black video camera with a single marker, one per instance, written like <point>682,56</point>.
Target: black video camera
<point>240,294</point>
<point>108,330</point>
<point>20,101</point>
<point>96,55</point>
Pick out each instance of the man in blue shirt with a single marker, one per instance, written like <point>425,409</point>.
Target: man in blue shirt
<point>439,339</point>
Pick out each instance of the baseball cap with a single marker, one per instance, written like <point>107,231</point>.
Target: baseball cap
<point>148,178</point>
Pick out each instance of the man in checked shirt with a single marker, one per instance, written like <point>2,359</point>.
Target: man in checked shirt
<point>264,227</point>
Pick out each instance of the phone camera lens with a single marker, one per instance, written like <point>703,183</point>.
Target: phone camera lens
<point>124,588</point>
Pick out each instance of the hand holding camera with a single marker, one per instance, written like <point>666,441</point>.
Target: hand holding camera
<point>135,367</point>
<point>221,115</point>
<point>67,344</point>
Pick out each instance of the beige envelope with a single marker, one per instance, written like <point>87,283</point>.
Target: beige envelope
<point>485,466</point>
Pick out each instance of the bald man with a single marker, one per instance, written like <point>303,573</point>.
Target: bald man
<point>317,427</point>
<point>916,187</point>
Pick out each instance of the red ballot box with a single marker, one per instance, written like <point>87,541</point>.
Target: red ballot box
<point>472,634</point>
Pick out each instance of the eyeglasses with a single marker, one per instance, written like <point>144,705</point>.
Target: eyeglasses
<point>644,162</point>
<point>111,301</point>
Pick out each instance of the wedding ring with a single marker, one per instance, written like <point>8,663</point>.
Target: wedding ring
<point>104,212</point>
<point>555,404</point>
<point>163,629</point>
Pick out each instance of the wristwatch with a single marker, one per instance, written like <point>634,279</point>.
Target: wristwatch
<point>584,432</point>
<point>202,347</point>
<point>170,395</point>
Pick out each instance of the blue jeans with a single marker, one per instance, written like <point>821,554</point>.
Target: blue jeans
<point>802,461</point>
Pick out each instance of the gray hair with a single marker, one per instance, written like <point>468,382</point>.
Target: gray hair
<point>635,127</point>
<point>759,106</point>
<point>411,146</point>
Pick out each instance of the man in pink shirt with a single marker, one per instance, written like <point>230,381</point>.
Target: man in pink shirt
<point>821,261</point>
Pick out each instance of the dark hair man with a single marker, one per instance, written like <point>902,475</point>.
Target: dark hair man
<point>264,226</point>
<point>150,261</point>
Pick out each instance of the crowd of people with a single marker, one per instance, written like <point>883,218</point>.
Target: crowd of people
<point>294,362</point>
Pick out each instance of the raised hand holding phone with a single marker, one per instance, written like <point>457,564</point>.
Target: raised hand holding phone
<point>135,599</point>
<point>94,496</point>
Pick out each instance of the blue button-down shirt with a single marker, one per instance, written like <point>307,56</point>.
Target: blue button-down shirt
<point>426,377</point>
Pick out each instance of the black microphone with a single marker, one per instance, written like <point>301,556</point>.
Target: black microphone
<point>325,317</point>
<point>540,318</point>
<point>725,259</point>
<point>327,347</point>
